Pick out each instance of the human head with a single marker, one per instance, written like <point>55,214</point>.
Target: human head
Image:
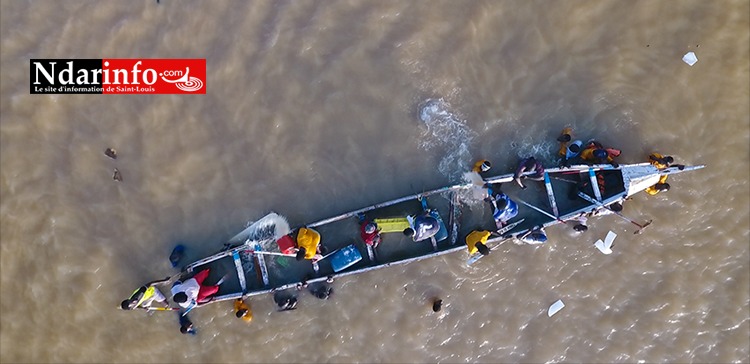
<point>370,228</point>
<point>600,153</point>
<point>575,148</point>
<point>662,187</point>
<point>530,163</point>
<point>185,328</point>
<point>502,204</point>
<point>616,207</point>
<point>580,228</point>
<point>669,159</point>
<point>483,249</point>
<point>564,138</point>
<point>486,165</point>
<point>437,305</point>
<point>409,231</point>
<point>127,304</point>
<point>180,297</point>
<point>241,313</point>
<point>301,254</point>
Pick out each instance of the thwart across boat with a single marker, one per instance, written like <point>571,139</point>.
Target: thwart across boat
<point>259,259</point>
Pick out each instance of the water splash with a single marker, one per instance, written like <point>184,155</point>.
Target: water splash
<point>446,130</point>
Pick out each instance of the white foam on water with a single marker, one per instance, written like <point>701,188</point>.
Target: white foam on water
<point>444,129</point>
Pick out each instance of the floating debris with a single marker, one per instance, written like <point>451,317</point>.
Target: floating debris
<point>437,305</point>
<point>117,176</point>
<point>690,58</point>
<point>109,152</point>
<point>557,306</point>
<point>606,246</point>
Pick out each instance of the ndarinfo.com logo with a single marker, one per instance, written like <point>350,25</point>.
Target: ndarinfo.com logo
<point>117,76</point>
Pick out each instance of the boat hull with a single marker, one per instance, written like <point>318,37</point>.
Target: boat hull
<point>261,268</point>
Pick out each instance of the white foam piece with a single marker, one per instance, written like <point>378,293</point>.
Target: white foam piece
<point>604,248</point>
<point>610,239</point>
<point>690,58</point>
<point>555,307</point>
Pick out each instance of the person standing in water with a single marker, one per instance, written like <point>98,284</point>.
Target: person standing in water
<point>476,242</point>
<point>242,310</point>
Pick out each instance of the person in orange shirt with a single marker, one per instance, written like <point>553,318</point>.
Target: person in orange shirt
<point>242,310</point>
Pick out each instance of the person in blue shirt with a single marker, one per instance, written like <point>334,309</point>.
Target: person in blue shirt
<point>504,209</point>
<point>421,227</point>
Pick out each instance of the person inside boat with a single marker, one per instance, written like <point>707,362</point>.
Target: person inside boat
<point>308,244</point>
<point>504,209</point>
<point>145,295</point>
<point>242,310</point>
<point>476,242</point>
<point>529,165</point>
<point>192,292</point>
<point>421,227</point>
<point>369,232</point>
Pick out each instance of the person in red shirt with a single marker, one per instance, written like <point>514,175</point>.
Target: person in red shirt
<point>369,232</point>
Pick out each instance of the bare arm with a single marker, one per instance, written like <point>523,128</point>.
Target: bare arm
<point>158,281</point>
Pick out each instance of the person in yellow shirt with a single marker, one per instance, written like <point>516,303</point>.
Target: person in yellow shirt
<point>595,152</point>
<point>481,166</point>
<point>659,161</point>
<point>476,240</point>
<point>308,244</point>
<point>242,310</point>
<point>564,139</point>
<point>662,186</point>
<point>145,295</point>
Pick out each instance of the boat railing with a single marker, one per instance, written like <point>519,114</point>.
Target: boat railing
<point>244,246</point>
